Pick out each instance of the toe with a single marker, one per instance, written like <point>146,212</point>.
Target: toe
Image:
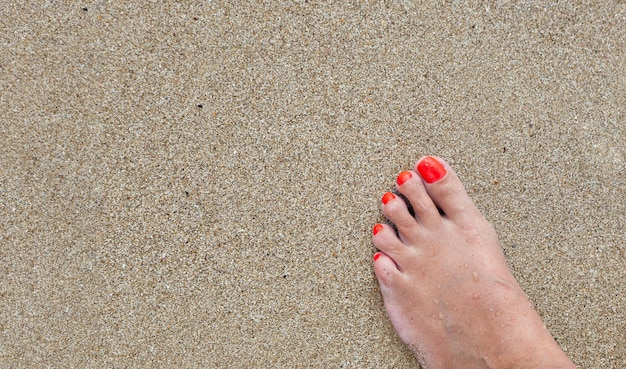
<point>385,239</point>
<point>411,186</point>
<point>386,270</point>
<point>445,189</point>
<point>395,209</point>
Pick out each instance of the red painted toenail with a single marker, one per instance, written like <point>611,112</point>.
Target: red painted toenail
<point>377,228</point>
<point>376,256</point>
<point>388,196</point>
<point>403,177</point>
<point>431,169</point>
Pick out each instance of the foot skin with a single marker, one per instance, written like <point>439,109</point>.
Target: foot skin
<point>446,286</point>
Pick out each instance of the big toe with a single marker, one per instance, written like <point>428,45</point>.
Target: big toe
<point>445,189</point>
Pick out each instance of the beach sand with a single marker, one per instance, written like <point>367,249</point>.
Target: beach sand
<point>194,184</point>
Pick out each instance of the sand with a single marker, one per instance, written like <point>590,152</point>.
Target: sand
<point>194,184</point>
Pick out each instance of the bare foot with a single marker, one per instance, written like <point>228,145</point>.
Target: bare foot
<point>446,285</point>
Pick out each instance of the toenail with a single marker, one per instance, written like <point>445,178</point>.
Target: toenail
<point>431,169</point>
<point>388,196</point>
<point>377,228</point>
<point>376,256</point>
<point>403,177</point>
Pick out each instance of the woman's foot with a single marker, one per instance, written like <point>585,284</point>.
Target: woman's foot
<point>445,282</point>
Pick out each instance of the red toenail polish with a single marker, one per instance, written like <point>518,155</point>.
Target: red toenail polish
<point>376,256</point>
<point>431,169</point>
<point>388,196</point>
<point>403,177</point>
<point>377,228</point>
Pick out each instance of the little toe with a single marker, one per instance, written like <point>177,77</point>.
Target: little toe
<point>386,270</point>
<point>411,186</point>
<point>445,189</point>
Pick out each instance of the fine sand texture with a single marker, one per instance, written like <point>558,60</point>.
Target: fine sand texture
<point>193,184</point>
